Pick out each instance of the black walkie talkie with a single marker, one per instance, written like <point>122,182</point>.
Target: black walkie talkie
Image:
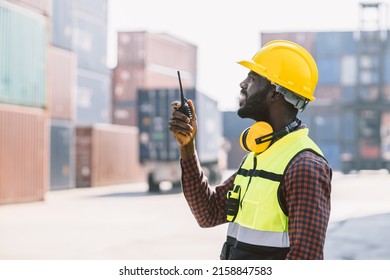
<point>184,108</point>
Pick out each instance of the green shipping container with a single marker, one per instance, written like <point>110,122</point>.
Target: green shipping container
<point>23,52</point>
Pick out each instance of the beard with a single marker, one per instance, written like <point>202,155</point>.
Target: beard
<point>254,107</point>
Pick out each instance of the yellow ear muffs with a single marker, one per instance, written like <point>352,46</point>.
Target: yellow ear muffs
<point>257,138</point>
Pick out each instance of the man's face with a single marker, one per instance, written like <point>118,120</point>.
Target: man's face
<point>253,97</point>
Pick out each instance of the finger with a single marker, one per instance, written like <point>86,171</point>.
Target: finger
<point>180,130</point>
<point>175,105</point>
<point>180,124</point>
<point>180,116</point>
<point>192,107</point>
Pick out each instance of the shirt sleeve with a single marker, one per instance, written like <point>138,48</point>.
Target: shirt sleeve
<point>307,188</point>
<point>207,204</point>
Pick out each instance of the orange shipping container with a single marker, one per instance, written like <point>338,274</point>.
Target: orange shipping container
<point>62,83</point>
<point>24,154</point>
<point>107,154</point>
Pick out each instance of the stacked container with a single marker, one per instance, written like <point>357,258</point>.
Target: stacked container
<point>106,154</point>
<point>81,27</point>
<point>23,101</point>
<point>147,60</point>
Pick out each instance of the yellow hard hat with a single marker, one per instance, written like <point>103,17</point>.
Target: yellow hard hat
<point>286,64</point>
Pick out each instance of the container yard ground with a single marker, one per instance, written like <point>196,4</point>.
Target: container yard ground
<point>126,222</point>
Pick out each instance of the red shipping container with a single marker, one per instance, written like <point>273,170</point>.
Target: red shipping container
<point>62,83</point>
<point>107,154</point>
<point>24,154</point>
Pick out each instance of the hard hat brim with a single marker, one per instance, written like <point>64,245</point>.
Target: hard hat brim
<point>252,66</point>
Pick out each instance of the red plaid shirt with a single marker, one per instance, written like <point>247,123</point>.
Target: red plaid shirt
<point>305,193</point>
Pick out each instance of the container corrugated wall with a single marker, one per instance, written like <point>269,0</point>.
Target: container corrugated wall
<point>23,51</point>
<point>83,156</point>
<point>62,83</point>
<point>93,98</point>
<point>89,42</point>
<point>61,24</point>
<point>207,138</point>
<point>114,155</point>
<point>61,155</point>
<point>107,154</point>
<point>39,6</point>
<point>24,154</point>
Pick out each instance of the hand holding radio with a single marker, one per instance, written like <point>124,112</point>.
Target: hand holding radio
<point>183,123</point>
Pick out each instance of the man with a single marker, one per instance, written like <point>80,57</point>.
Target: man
<point>278,202</point>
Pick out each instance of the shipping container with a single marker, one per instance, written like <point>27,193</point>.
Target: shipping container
<point>83,156</point>
<point>148,61</point>
<point>24,145</point>
<point>107,154</point>
<point>348,70</point>
<point>61,155</point>
<point>115,155</point>
<point>124,112</point>
<point>328,70</point>
<point>305,39</point>
<point>39,6</point>
<point>93,98</point>
<point>159,150</point>
<point>23,52</point>
<point>386,73</point>
<point>235,153</point>
<point>328,93</point>
<point>126,82</point>
<point>96,8</point>
<point>331,151</point>
<point>89,42</point>
<point>62,83</point>
<point>335,43</point>
<point>233,125</point>
<point>162,51</point>
<point>349,94</point>
<point>62,24</point>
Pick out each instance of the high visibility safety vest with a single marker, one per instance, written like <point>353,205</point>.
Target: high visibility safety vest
<point>260,227</point>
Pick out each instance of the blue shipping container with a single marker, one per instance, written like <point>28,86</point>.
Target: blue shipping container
<point>90,43</point>
<point>23,49</point>
<point>335,43</point>
<point>61,24</point>
<point>331,151</point>
<point>61,151</point>
<point>93,98</point>
<point>233,125</point>
<point>328,70</point>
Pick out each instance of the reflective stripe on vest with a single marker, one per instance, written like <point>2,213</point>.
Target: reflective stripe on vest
<point>260,219</point>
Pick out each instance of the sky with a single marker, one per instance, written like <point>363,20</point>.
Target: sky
<point>226,31</point>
